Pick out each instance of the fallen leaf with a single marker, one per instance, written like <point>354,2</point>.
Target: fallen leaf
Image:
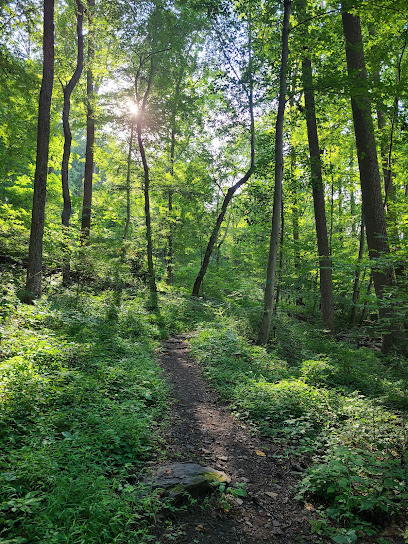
<point>271,494</point>
<point>260,453</point>
<point>201,528</point>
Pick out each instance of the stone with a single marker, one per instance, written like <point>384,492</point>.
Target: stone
<point>179,478</point>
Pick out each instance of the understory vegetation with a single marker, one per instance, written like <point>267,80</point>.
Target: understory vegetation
<point>81,398</point>
<point>235,169</point>
<point>83,407</point>
<point>340,406</point>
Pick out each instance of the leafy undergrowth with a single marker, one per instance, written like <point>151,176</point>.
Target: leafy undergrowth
<point>80,400</point>
<point>339,406</point>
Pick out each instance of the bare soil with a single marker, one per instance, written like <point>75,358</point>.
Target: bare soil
<point>205,431</point>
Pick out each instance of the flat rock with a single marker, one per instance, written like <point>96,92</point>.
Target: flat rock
<point>178,478</point>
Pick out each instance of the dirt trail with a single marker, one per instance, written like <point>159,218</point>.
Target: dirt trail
<point>205,431</point>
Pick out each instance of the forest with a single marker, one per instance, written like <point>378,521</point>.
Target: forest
<point>204,196</point>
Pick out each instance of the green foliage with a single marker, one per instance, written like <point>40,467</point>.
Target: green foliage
<point>81,397</point>
<point>358,447</point>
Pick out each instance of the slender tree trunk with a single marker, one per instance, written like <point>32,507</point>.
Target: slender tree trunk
<point>356,284</point>
<point>223,239</point>
<point>368,291</point>
<point>148,221</point>
<point>34,267</point>
<point>232,190</point>
<point>90,133</point>
<point>325,264</point>
<point>141,103</point>
<point>129,162</point>
<point>66,212</point>
<point>280,275</point>
<point>295,228</point>
<point>170,272</point>
<point>214,235</point>
<point>331,211</point>
<point>373,210</point>
<point>265,327</point>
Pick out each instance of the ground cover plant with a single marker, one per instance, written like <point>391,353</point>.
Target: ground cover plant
<point>344,407</point>
<point>81,398</point>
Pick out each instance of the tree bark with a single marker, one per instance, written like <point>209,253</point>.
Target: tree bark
<point>170,272</point>
<point>325,264</point>
<point>295,228</point>
<point>90,133</point>
<point>67,90</point>
<point>356,284</point>
<point>141,103</point>
<point>280,276</point>
<point>129,160</point>
<point>34,267</point>
<point>148,222</point>
<point>265,327</point>
<point>373,210</point>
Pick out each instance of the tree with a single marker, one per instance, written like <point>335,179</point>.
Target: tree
<point>129,164</point>
<point>34,266</point>
<point>233,188</point>
<point>373,210</point>
<point>67,90</point>
<point>141,101</point>
<point>90,131</point>
<point>325,265</point>
<point>265,326</point>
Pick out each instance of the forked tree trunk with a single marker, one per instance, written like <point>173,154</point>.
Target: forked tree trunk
<point>66,212</point>
<point>325,264</point>
<point>373,210</point>
<point>90,133</point>
<point>265,327</point>
<point>34,267</point>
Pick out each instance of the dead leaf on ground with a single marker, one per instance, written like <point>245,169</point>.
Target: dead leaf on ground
<point>260,453</point>
<point>201,528</point>
<point>271,494</point>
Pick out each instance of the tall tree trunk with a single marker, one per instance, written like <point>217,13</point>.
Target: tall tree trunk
<point>66,212</point>
<point>90,133</point>
<point>331,209</point>
<point>365,308</point>
<point>295,228</point>
<point>373,210</point>
<point>129,162</point>
<point>356,284</point>
<point>148,221</point>
<point>325,264</point>
<point>232,190</point>
<point>141,103</point>
<point>280,275</point>
<point>265,327</point>
<point>170,273</point>
<point>34,267</point>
